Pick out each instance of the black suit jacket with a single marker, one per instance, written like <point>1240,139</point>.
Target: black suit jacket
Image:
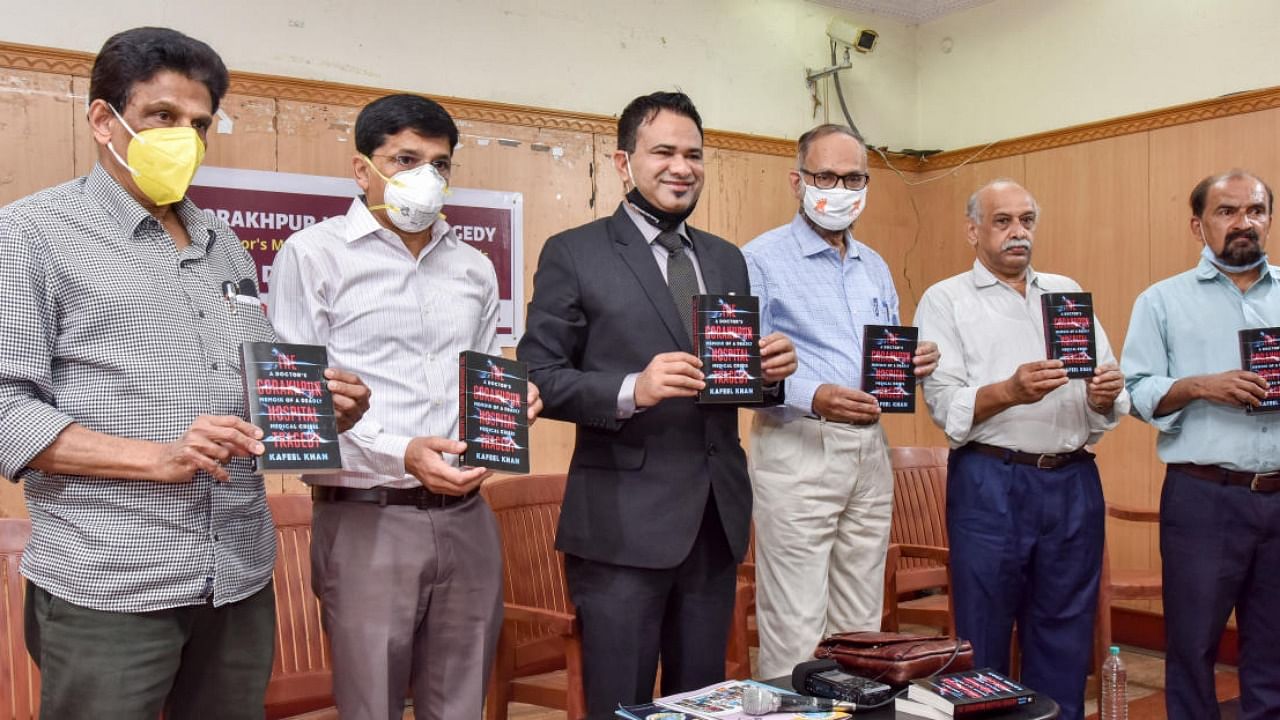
<point>637,487</point>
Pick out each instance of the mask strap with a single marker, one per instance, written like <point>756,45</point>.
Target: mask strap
<point>111,147</point>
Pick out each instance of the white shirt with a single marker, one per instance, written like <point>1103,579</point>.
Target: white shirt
<point>397,321</point>
<point>985,330</point>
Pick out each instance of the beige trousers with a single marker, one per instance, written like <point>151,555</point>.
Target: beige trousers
<point>823,501</point>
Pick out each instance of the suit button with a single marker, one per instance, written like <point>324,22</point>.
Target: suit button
<point>711,448</point>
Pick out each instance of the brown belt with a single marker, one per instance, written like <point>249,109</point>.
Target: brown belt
<point>419,497</point>
<point>1257,482</point>
<point>1044,461</point>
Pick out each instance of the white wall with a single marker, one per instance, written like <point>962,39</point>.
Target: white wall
<point>1018,67</point>
<point>742,61</point>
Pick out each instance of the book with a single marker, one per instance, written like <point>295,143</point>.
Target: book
<point>288,398</point>
<point>888,367</point>
<point>1260,353</point>
<point>1069,333</point>
<point>969,693</point>
<point>726,336</point>
<point>493,412</point>
<point>905,706</point>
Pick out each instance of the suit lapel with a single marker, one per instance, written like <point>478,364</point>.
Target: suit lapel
<point>638,256</point>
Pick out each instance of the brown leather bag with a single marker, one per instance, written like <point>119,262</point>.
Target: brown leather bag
<point>896,658</point>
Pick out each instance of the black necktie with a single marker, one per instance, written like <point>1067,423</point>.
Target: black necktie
<point>681,277</point>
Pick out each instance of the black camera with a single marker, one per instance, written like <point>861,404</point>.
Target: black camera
<point>826,679</point>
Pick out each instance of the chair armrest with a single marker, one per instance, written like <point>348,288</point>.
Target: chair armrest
<point>1133,514</point>
<point>561,622</point>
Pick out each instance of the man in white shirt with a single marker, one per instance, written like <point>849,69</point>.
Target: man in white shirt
<point>1025,511</point>
<point>405,555</point>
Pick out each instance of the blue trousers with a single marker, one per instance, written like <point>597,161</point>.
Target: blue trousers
<point>1026,546</point>
<point>1220,547</point>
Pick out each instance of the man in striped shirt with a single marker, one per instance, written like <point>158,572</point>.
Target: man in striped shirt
<point>405,554</point>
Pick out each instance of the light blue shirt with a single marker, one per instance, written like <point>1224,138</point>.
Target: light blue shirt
<point>821,302</point>
<point>1187,325</point>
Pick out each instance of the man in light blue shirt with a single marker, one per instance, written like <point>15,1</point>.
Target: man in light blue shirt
<point>820,464</point>
<point>1220,506</point>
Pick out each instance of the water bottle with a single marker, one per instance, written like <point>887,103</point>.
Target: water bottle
<point>1114,704</point>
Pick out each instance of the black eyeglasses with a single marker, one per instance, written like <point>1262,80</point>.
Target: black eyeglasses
<point>409,162</point>
<point>826,180</point>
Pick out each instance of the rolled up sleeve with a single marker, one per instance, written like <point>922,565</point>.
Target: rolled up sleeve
<point>947,392</point>
<point>1145,364</point>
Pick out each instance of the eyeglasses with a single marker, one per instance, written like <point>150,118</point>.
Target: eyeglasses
<point>826,180</point>
<point>409,162</point>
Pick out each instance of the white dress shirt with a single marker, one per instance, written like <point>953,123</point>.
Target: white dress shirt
<point>397,321</point>
<point>985,330</point>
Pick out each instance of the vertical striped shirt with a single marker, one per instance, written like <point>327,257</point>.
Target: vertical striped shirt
<point>106,323</point>
<point>398,321</point>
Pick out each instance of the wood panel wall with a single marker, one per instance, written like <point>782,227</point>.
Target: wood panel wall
<point>1113,196</point>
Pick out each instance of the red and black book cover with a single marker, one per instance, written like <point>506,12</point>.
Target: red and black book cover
<point>1069,333</point>
<point>493,412</point>
<point>1260,353</point>
<point>888,367</point>
<point>969,693</point>
<point>726,337</point>
<point>289,399</point>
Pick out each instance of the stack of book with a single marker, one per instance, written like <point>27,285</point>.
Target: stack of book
<point>971,693</point>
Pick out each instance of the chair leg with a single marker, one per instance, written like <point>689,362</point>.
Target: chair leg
<point>499,695</point>
<point>737,665</point>
<point>575,692</point>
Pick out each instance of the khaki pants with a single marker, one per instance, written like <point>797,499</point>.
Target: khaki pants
<point>823,502</point>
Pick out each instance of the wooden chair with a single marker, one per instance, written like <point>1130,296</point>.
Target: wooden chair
<point>1121,584</point>
<point>539,626</point>
<point>919,528</point>
<point>743,633</point>
<point>19,678</point>
<point>301,673</point>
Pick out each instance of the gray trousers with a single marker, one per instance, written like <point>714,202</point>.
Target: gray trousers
<point>412,600</point>
<point>194,662</point>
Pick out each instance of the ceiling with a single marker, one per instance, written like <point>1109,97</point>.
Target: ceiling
<point>912,12</point>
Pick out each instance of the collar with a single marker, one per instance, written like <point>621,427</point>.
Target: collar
<point>362,224</point>
<point>982,277</point>
<point>1206,270</point>
<point>651,231</point>
<point>811,243</point>
<point>126,210</point>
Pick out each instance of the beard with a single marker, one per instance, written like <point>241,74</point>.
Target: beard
<point>1241,248</point>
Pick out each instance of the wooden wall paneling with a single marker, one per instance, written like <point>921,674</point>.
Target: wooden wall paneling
<point>314,138</point>
<point>35,132</point>
<point>749,194</point>
<point>249,140</point>
<point>85,149</point>
<point>1095,229</point>
<point>1181,156</point>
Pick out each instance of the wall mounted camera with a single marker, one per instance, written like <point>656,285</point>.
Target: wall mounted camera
<point>861,39</point>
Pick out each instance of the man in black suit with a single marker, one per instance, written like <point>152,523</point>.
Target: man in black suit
<point>657,510</point>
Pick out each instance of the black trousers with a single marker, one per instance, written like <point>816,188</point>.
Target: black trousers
<point>632,617</point>
<point>193,662</point>
<point>1220,548</point>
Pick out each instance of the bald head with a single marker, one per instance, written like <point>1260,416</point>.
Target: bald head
<point>1002,220</point>
<point>974,209</point>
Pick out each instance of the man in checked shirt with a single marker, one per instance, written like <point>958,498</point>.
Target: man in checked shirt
<point>122,413</point>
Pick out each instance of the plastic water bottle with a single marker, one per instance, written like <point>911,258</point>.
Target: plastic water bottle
<point>1114,702</point>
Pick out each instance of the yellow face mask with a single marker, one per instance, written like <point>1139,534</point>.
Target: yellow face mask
<point>163,161</point>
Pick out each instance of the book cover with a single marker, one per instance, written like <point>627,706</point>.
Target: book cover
<point>726,336</point>
<point>1069,333</point>
<point>888,370</point>
<point>1260,353</point>
<point>969,693</point>
<point>289,400</point>
<point>493,412</point>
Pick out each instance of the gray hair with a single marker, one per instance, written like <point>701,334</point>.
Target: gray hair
<point>821,131</point>
<point>973,208</point>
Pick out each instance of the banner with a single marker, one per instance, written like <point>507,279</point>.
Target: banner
<point>265,208</point>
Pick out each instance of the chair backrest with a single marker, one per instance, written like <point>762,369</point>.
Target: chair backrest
<point>528,509</point>
<point>919,506</point>
<point>19,678</point>
<point>301,673</point>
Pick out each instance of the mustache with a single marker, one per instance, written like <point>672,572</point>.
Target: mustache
<point>1250,233</point>
<point>1012,243</point>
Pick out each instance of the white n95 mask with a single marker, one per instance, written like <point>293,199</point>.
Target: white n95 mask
<point>413,198</point>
